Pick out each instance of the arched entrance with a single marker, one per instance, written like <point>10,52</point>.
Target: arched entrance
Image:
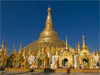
<point>8,64</point>
<point>98,64</point>
<point>85,63</point>
<point>64,61</point>
<point>39,62</point>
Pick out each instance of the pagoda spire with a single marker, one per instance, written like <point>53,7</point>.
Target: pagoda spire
<point>76,51</point>
<point>2,46</point>
<point>93,52</point>
<point>24,53</point>
<point>49,17</point>
<point>49,34</point>
<point>20,48</point>
<point>66,43</point>
<point>83,42</point>
<point>78,47</point>
<point>99,51</point>
<point>5,53</point>
<point>13,52</point>
<point>96,53</point>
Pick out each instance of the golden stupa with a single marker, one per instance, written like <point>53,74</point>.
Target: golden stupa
<point>48,37</point>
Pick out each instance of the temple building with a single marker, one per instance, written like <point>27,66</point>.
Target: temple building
<point>50,52</point>
<point>54,53</point>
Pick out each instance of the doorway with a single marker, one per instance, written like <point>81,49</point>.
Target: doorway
<point>64,61</point>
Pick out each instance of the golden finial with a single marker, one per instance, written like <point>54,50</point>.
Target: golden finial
<point>2,46</point>
<point>49,18</point>
<point>83,44</point>
<point>49,9</point>
<point>20,48</point>
<point>24,53</point>
<point>5,53</point>
<point>6,47</point>
<point>13,47</point>
<point>3,40</point>
<point>49,5</point>
<point>66,43</point>
<point>76,49</point>
<point>96,53</point>
<point>83,37</point>
<point>99,51</point>
<point>13,52</point>
<point>93,52</point>
<point>66,37</point>
<point>78,45</point>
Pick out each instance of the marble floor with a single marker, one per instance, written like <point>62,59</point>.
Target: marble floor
<point>40,73</point>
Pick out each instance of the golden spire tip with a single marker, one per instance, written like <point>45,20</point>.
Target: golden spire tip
<point>78,42</point>
<point>49,5</point>
<point>83,37</point>
<point>49,9</point>
<point>66,37</point>
<point>13,46</point>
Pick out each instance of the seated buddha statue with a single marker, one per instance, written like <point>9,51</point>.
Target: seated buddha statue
<point>66,64</point>
<point>85,65</point>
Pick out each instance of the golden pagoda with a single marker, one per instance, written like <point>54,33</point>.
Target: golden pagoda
<point>50,53</point>
<point>48,37</point>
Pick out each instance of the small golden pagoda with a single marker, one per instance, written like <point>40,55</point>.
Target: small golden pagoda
<point>84,58</point>
<point>3,56</point>
<point>12,59</point>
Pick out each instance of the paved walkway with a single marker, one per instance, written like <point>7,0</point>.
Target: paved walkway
<point>40,73</point>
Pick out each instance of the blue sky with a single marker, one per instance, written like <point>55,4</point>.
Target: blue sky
<point>22,21</point>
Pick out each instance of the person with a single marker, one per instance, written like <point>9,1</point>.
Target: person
<point>80,66</point>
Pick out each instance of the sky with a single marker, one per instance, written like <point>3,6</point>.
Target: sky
<point>23,21</point>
